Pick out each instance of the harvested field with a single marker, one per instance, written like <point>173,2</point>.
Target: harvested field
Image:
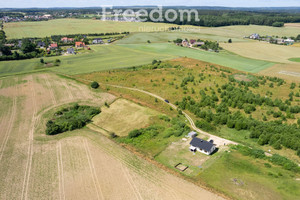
<point>123,116</point>
<point>263,51</point>
<point>290,72</point>
<point>81,164</point>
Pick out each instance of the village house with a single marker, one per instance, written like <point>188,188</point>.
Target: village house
<point>202,146</point>
<point>198,44</point>
<point>255,36</point>
<point>70,51</point>
<point>41,44</point>
<point>185,43</point>
<point>53,46</point>
<point>66,39</point>
<point>79,44</point>
<point>192,41</point>
<point>98,41</point>
<point>289,41</point>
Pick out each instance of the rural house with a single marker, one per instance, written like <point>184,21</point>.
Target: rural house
<point>41,44</point>
<point>185,43</point>
<point>255,36</point>
<point>192,41</point>
<point>79,44</point>
<point>98,41</point>
<point>66,39</point>
<point>202,146</point>
<point>53,46</point>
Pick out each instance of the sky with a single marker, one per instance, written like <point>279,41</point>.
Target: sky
<point>96,3</point>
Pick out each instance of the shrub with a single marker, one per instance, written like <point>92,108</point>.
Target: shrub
<point>134,133</point>
<point>95,85</point>
<point>267,165</point>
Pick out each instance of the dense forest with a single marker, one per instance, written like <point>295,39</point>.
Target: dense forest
<point>216,18</point>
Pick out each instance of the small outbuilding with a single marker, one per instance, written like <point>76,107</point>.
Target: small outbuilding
<point>98,41</point>
<point>202,146</point>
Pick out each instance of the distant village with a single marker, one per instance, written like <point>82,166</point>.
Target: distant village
<point>274,40</point>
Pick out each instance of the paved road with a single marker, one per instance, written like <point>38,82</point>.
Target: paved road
<point>217,140</point>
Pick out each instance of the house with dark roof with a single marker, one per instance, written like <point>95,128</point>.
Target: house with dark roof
<point>41,44</point>
<point>202,146</point>
<point>71,51</point>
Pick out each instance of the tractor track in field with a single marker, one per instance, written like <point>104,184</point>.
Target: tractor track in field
<point>30,146</point>
<point>10,124</point>
<point>71,97</point>
<point>93,171</point>
<point>51,89</point>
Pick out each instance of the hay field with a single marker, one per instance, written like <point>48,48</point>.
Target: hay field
<point>242,30</point>
<point>289,72</point>
<point>81,164</point>
<point>263,51</point>
<point>123,116</point>
<point>77,26</point>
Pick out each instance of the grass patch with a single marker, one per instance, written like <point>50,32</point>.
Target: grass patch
<point>123,116</point>
<point>294,59</point>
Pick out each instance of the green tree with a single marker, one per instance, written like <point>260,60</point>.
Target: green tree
<point>95,85</point>
<point>230,40</point>
<point>27,46</point>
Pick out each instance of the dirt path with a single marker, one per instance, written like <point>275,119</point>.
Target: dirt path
<point>217,140</point>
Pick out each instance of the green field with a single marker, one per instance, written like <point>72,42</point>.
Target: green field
<point>161,37</point>
<point>74,26</point>
<point>294,59</point>
<point>223,58</point>
<point>104,57</point>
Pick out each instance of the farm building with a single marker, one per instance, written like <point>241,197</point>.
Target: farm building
<point>97,41</point>
<point>198,44</point>
<point>202,146</point>
<point>185,43</point>
<point>191,134</point>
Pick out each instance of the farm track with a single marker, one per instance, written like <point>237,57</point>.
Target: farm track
<point>60,172</point>
<point>93,171</point>
<point>217,140</point>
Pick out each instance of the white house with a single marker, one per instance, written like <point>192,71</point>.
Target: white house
<point>202,146</point>
<point>254,36</point>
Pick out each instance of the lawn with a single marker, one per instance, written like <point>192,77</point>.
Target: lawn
<point>223,58</point>
<point>248,178</point>
<point>77,26</point>
<point>104,57</point>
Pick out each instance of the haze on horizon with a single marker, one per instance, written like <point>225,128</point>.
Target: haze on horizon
<point>97,3</point>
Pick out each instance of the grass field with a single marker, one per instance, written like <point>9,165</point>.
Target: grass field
<point>224,58</point>
<point>77,26</point>
<point>161,37</point>
<point>287,71</point>
<point>122,116</point>
<point>295,59</point>
<point>104,57</point>
<point>263,51</point>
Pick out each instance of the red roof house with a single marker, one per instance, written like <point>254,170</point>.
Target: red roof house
<point>79,44</point>
<point>53,46</point>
